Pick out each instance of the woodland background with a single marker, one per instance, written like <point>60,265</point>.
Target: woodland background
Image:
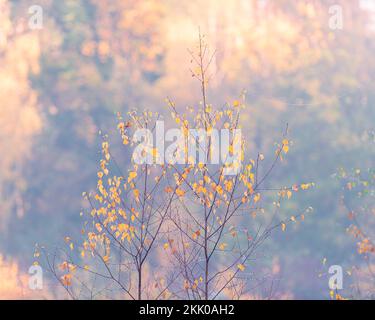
<point>93,58</point>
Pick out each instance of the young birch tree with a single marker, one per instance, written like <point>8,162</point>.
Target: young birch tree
<point>181,222</point>
<point>212,236</point>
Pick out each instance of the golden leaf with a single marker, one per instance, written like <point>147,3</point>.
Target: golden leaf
<point>132,175</point>
<point>180,192</point>
<point>66,280</point>
<point>283,226</point>
<point>256,197</point>
<point>241,267</point>
<point>222,246</point>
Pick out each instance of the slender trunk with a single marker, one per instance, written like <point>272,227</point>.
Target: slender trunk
<point>207,261</point>
<point>204,98</point>
<point>140,283</point>
<point>206,282</point>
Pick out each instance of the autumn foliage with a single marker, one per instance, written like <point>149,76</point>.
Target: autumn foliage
<point>177,231</point>
<point>296,77</point>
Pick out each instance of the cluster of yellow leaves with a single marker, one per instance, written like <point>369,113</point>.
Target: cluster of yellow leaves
<point>118,197</point>
<point>194,285</point>
<point>285,145</point>
<point>293,218</point>
<point>286,193</point>
<point>366,246</point>
<point>115,212</point>
<point>66,266</point>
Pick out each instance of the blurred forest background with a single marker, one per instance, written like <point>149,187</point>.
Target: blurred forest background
<point>63,83</point>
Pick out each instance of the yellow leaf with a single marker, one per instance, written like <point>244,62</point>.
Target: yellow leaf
<point>219,189</point>
<point>63,265</point>
<point>168,190</point>
<point>136,194</point>
<point>305,186</point>
<point>285,148</point>
<point>132,175</point>
<point>186,284</point>
<point>98,227</point>
<point>125,141</point>
<point>196,234</point>
<point>222,246</point>
<point>283,226</point>
<point>72,267</point>
<point>123,227</point>
<point>180,192</point>
<point>66,280</point>
<point>256,197</point>
<point>155,152</point>
<point>228,185</point>
<point>236,103</point>
<point>241,266</point>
